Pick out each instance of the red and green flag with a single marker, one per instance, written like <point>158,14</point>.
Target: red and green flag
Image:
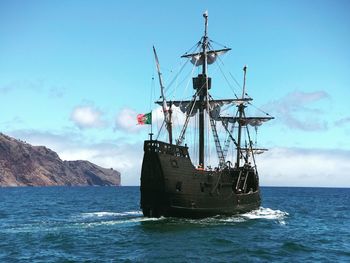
<point>144,118</point>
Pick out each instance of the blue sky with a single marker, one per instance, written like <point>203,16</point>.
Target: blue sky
<point>73,74</point>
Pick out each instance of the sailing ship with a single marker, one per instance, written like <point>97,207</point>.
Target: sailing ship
<point>174,185</point>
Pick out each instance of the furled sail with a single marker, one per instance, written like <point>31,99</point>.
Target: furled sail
<point>254,150</point>
<point>252,121</point>
<point>198,58</point>
<point>214,106</point>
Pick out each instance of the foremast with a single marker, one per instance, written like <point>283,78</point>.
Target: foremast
<point>166,111</point>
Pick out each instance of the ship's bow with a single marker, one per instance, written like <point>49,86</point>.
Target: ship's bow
<point>152,182</point>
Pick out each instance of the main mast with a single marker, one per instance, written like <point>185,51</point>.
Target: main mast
<point>202,85</point>
<point>203,91</point>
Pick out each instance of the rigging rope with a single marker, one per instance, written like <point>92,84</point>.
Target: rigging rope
<point>218,147</point>
<point>182,133</point>
<point>229,84</point>
<point>152,95</point>
<point>175,78</point>
<point>188,115</point>
<point>234,79</point>
<point>194,47</point>
<point>232,138</point>
<point>210,40</point>
<point>259,109</point>
<point>250,146</point>
<point>227,141</point>
<point>160,130</point>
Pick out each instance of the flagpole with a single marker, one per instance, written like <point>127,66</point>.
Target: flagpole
<point>150,135</point>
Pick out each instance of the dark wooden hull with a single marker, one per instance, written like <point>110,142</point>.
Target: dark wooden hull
<point>172,186</point>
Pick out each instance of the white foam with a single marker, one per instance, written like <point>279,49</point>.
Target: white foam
<point>234,219</point>
<point>112,218</point>
<point>112,214</point>
<point>136,213</point>
<point>118,222</point>
<point>267,213</point>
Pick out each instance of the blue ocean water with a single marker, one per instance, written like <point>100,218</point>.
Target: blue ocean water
<point>105,224</point>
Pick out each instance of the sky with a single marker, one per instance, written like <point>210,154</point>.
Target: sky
<point>74,75</point>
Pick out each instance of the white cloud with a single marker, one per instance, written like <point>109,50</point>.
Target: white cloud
<point>294,111</point>
<point>277,167</point>
<point>7,125</point>
<point>302,167</point>
<point>56,92</point>
<point>123,157</point>
<point>342,122</point>
<point>87,117</point>
<point>126,121</point>
<point>34,85</point>
<point>4,89</point>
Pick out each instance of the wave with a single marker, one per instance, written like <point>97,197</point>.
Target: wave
<point>267,213</point>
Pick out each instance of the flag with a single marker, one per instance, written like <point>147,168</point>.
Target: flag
<point>144,118</point>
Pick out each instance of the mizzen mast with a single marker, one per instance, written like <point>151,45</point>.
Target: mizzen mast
<point>241,107</point>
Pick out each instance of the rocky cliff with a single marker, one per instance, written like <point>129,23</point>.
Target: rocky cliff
<point>22,164</point>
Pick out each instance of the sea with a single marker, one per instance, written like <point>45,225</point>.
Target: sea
<point>105,224</point>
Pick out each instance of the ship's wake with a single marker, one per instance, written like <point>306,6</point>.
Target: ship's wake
<point>93,219</point>
<point>132,217</point>
<point>110,214</point>
<point>77,221</point>
<point>135,218</point>
<point>258,214</point>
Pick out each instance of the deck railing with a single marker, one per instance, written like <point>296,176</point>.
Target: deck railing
<point>166,148</point>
